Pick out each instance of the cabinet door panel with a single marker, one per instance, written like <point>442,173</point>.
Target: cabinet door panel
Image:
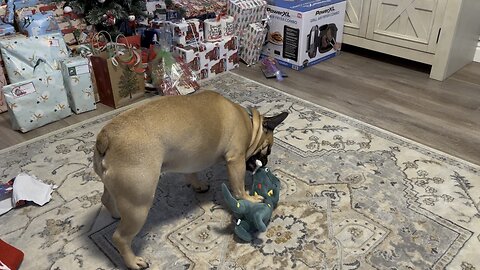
<point>408,23</point>
<point>356,17</point>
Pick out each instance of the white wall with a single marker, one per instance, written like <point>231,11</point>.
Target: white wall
<point>476,58</point>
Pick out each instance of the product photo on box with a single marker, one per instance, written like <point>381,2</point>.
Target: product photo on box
<point>301,35</point>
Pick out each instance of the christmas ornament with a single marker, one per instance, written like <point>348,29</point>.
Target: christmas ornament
<point>109,19</point>
<point>131,18</point>
<point>101,1</point>
<point>67,9</point>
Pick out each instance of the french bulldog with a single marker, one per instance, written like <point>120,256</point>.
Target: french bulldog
<point>181,134</point>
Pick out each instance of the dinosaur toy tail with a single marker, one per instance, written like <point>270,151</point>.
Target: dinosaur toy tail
<point>237,207</point>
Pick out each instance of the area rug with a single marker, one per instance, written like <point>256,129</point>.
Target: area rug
<point>353,197</point>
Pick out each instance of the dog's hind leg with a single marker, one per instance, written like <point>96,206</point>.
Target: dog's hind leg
<point>109,203</point>
<point>133,200</point>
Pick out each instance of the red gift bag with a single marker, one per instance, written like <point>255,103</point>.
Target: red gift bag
<point>10,256</point>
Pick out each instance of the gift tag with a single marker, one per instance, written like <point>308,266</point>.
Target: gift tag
<point>54,43</point>
<point>23,90</point>
<point>78,70</point>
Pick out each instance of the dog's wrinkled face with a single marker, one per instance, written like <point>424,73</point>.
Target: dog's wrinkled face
<point>262,153</point>
<point>265,147</point>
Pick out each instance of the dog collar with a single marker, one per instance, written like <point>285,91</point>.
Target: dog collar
<point>249,112</point>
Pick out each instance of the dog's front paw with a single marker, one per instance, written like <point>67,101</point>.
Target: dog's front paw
<point>254,198</point>
<point>137,263</point>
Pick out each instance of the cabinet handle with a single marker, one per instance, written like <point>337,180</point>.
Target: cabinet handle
<point>438,35</point>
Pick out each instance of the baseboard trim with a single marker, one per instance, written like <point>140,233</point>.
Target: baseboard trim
<point>476,58</point>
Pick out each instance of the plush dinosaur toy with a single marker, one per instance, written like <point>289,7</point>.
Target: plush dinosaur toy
<point>253,217</point>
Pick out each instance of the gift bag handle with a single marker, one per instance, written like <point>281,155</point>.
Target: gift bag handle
<point>96,38</point>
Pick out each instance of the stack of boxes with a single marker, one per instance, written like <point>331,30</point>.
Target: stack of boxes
<point>205,58</point>
<point>39,81</point>
<point>248,16</point>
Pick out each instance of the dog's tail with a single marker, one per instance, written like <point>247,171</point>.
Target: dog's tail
<point>101,147</point>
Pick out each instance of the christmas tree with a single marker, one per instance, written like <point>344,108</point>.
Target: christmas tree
<point>113,16</point>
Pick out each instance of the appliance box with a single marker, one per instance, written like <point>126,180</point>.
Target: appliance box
<point>304,33</point>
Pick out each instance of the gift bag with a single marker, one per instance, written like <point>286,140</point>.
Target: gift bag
<point>171,75</point>
<point>119,74</point>
<point>38,101</point>
<point>78,82</point>
<point>21,54</point>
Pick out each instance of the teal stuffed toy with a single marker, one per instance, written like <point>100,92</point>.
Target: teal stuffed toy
<point>253,217</point>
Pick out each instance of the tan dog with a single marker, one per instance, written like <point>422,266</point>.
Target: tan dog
<point>183,134</point>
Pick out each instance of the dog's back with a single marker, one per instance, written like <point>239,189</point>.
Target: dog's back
<point>176,128</point>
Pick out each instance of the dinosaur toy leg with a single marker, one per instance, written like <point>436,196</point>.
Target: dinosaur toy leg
<point>258,219</point>
<point>242,230</point>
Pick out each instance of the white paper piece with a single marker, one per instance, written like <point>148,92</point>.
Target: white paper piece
<point>29,188</point>
<point>5,206</point>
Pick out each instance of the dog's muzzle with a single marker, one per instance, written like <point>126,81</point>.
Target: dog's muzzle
<point>251,165</point>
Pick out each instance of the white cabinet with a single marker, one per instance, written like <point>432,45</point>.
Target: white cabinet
<point>442,33</point>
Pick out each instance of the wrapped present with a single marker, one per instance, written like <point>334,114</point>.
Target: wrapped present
<point>155,7</point>
<point>21,54</point>
<point>37,101</point>
<point>245,12</point>
<point>211,58</point>
<point>9,15</point>
<point>186,33</point>
<point>3,12</point>
<point>18,4</point>
<point>228,26</point>
<point>3,103</point>
<point>191,55</point>
<point>78,82</point>
<point>252,43</point>
<point>36,24</point>
<point>3,82</point>
<point>213,30</point>
<point>198,8</point>
<point>70,24</point>
<point>6,29</point>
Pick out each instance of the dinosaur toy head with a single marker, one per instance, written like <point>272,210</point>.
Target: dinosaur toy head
<point>267,185</point>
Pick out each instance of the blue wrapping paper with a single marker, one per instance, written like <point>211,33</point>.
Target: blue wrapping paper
<point>21,54</point>
<point>78,82</point>
<point>37,24</point>
<point>6,29</point>
<point>36,102</point>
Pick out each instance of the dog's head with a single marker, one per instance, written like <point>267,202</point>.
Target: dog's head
<point>264,146</point>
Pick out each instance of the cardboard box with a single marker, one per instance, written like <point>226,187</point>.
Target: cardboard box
<point>303,34</point>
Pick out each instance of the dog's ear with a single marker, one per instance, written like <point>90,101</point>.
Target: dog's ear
<point>272,122</point>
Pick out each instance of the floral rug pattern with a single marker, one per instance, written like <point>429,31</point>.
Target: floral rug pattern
<point>353,197</point>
